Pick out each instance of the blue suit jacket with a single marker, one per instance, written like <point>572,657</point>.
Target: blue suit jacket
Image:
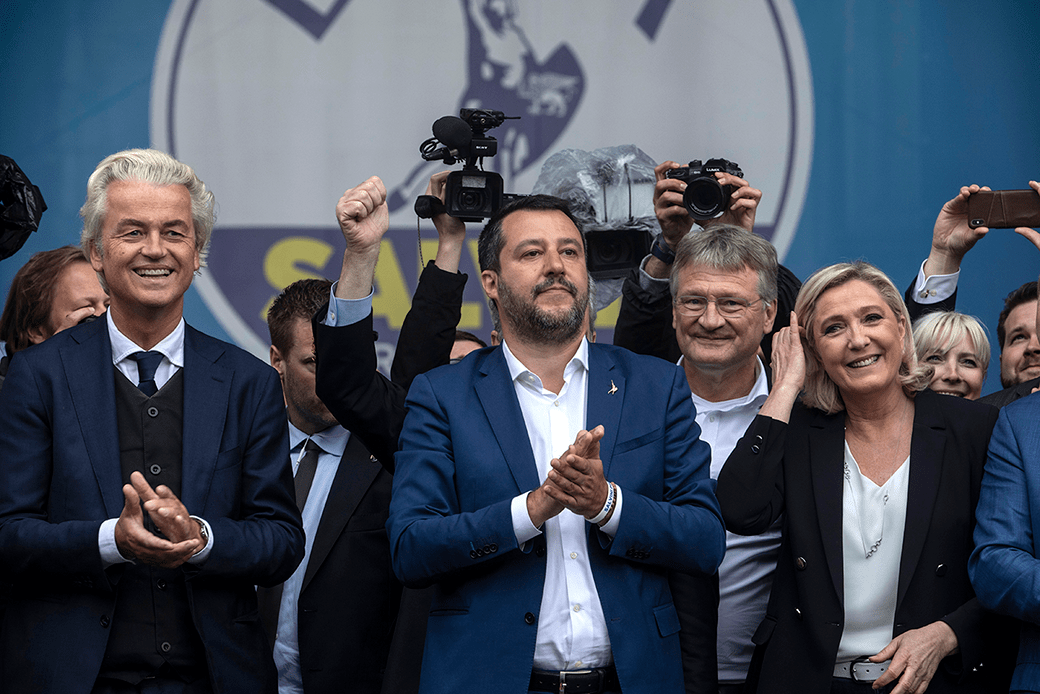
<point>61,477</point>
<point>465,454</point>
<point>1005,566</point>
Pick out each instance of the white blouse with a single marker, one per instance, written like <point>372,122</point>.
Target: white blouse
<point>872,522</point>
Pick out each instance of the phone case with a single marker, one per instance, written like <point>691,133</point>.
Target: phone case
<point>1004,209</point>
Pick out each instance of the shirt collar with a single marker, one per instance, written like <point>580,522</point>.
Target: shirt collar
<point>171,346</point>
<point>517,369</point>
<point>760,390</point>
<point>332,440</point>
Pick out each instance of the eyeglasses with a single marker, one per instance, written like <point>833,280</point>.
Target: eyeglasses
<point>730,306</point>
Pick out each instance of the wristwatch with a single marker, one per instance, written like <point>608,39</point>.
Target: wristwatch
<point>203,533</point>
<point>661,251</point>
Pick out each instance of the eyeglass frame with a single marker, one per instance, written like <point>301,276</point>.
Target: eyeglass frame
<point>743,305</point>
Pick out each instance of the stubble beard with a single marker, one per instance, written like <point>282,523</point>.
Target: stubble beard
<point>534,325</point>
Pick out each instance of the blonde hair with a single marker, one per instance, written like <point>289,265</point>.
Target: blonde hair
<point>940,331</point>
<point>820,391</point>
<point>150,166</point>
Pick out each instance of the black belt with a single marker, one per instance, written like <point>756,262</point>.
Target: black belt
<point>593,681</point>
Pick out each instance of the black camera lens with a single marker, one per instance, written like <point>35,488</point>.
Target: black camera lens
<point>471,200</point>
<point>705,198</point>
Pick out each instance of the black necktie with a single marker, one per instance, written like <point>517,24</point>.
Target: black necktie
<point>147,363</point>
<point>305,471</point>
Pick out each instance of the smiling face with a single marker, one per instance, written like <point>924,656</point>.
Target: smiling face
<point>542,286</point>
<point>1020,353</point>
<point>958,371</point>
<point>859,340</point>
<point>149,252</point>
<point>77,288</point>
<point>713,342</point>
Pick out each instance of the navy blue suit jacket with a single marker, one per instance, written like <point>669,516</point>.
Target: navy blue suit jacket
<point>465,454</point>
<point>61,478</point>
<point>1005,566</point>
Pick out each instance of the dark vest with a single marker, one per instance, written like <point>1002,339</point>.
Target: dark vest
<point>152,627</point>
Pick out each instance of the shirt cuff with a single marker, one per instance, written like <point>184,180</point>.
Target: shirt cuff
<point>935,288</point>
<point>197,559</point>
<point>647,283</point>
<point>346,311</point>
<point>610,527</point>
<point>110,555</point>
<point>523,528</point>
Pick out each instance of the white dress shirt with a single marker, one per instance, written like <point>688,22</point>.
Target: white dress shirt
<point>332,442</point>
<point>572,631</point>
<point>746,573</point>
<point>172,349</point>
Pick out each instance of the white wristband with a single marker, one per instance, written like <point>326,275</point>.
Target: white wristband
<point>607,505</point>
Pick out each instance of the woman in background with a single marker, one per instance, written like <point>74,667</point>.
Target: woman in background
<point>956,346</point>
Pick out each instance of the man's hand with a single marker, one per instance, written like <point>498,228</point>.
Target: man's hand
<point>744,203</point>
<point>952,238</point>
<point>675,221</point>
<point>363,218</point>
<point>915,657</point>
<point>73,318</point>
<point>577,480</point>
<point>363,215</point>
<point>134,541</point>
<point>450,230</point>
<point>1026,232</point>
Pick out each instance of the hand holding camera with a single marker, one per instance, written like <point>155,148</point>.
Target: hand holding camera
<point>712,192</point>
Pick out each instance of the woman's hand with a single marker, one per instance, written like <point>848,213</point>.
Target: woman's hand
<point>915,657</point>
<point>788,372</point>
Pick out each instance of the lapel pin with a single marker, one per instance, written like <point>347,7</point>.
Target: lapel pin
<point>613,388</point>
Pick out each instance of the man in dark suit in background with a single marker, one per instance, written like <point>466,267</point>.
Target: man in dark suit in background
<point>112,595</point>
<point>331,623</point>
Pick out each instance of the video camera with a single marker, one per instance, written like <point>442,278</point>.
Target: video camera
<point>472,194</point>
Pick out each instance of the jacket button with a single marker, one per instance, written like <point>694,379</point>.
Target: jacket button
<point>473,554</point>
<point>940,570</point>
<point>161,584</point>
<point>153,412</point>
<point>755,448</point>
<point>798,613</point>
<point>165,646</point>
<point>800,563</point>
<point>529,618</point>
<point>105,621</point>
<point>155,469</point>
<point>487,549</point>
<point>493,547</point>
<point>540,552</point>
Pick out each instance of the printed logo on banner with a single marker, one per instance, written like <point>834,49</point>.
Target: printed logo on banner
<point>284,104</point>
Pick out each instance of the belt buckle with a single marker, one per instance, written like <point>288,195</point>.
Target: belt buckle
<point>563,678</point>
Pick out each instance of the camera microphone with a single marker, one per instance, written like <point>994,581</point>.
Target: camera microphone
<point>455,134</point>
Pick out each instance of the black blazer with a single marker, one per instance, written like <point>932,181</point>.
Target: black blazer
<point>796,470</point>
<point>1009,395</point>
<point>349,597</point>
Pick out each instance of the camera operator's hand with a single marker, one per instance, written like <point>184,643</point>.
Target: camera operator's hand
<point>451,231</point>
<point>745,199</point>
<point>363,218</point>
<point>675,221</point>
<point>952,238</point>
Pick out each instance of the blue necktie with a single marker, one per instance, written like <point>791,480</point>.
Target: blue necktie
<point>305,472</point>
<point>147,363</point>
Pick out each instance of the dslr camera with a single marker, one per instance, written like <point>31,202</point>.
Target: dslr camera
<point>472,194</point>
<point>705,197</point>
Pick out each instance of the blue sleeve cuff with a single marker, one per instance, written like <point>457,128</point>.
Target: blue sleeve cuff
<point>346,311</point>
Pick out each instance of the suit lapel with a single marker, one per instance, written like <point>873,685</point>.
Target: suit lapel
<point>606,394</point>
<point>87,362</point>
<point>355,474</point>
<point>927,449</point>
<point>497,397</point>
<point>826,451</point>
<point>207,388</point>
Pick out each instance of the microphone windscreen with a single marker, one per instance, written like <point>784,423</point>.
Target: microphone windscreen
<point>453,132</point>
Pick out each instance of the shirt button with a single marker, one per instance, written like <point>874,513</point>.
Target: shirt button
<point>711,419</point>
<point>155,469</point>
<point>574,555</point>
<point>577,608</point>
<point>577,663</point>
<point>153,411</point>
<point>161,584</point>
<point>556,403</point>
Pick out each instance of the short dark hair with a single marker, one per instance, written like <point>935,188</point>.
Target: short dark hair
<point>491,242</point>
<point>1024,294</point>
<point>32,293</point>
<point>463,336</point>
<point>301,299</point>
